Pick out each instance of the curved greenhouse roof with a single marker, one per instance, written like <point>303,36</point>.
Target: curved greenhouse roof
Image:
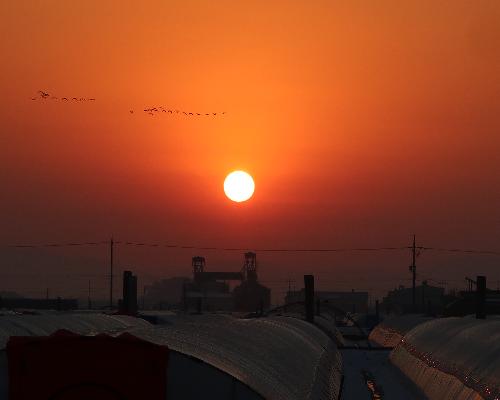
<point>455,358</point>
<point>217,355</point>
<point>278,358</point>
<point>82,323</point>
<point>390,331</point>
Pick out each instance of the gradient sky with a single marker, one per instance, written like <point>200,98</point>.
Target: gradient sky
<point>361,122</point>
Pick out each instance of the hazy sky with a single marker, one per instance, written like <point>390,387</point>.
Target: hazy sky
<point>361,122</point>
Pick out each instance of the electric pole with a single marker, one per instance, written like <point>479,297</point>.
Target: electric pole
<point>413,269</point>
<point>89,299</point>
<point>111,273</point>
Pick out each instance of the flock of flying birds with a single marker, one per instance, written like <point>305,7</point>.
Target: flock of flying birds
<point>158,110</point>
<point>41,95</point>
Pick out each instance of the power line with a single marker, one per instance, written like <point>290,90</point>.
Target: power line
<point>487,252</point>
<point>262,250</point>
<point>294,250</point>
<point>56,244</point>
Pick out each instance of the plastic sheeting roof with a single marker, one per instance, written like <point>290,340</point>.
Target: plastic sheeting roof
<point>279,358</point>
<point>390,332</point>
<point>468,349</point>
<point>46,324</point>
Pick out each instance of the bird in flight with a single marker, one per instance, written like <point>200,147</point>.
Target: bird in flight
<point>44,95</point>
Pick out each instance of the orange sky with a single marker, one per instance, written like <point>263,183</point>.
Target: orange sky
<point>362,122</point>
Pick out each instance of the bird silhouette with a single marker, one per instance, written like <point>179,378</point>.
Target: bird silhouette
<point>45,95</point>
<point>153,110</point>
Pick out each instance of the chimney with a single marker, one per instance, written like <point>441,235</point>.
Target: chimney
<point>309,297</point>
<point>129,302</point>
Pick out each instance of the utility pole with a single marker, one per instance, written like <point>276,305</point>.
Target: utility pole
<point>89,299</point>
<point>413,269</point>
<point>111,273</point>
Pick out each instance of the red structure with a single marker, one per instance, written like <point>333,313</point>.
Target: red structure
<point>67,366</point>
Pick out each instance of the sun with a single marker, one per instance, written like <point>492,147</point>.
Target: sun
<point>239,186</point>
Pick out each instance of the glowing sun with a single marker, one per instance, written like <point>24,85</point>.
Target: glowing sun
<point>239,186</point>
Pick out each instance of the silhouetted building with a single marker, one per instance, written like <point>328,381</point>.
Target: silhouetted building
<point>250,295</point>
<point>9,295</point>
<point>465,304</point>
<point>428,299</point>
<point>210,291</point>
<point>39,304</point>
<point>353,302</point>
<point>165,293</point>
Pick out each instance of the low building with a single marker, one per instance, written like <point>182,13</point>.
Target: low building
<point>165,293</point>
<point>352,302</point>
<point>208,301</point>
<point>465,303</point>
<point>39,304</point>
<point>428,299</point>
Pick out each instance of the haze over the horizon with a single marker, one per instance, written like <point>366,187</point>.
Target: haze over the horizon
<point>361,122</point>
